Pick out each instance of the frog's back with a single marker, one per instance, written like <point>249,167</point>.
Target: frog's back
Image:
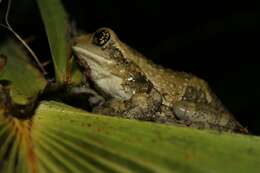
<point>176,86</point>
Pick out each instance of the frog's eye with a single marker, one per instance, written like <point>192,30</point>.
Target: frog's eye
<point>101,37</point>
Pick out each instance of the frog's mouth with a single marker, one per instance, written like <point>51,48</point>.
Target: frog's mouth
<point>85,54</point>
<point>98,65</point>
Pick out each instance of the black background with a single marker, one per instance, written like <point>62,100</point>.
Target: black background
<point>217,41</point>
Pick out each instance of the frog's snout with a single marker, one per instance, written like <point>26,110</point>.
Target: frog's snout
<point>81,40</point>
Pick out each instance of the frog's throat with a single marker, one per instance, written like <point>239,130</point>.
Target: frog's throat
<point>108,83</point>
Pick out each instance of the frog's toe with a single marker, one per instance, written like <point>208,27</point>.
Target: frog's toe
<point>183,111</point>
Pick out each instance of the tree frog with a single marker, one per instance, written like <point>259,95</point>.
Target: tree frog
<point>136,88</point>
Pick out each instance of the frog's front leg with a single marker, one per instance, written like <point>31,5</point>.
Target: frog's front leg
<point>206,116</point>
<point>142,106</point>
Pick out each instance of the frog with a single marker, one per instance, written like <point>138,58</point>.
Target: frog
<point>134,87</point>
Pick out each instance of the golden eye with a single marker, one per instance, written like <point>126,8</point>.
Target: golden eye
<point>101,37</point>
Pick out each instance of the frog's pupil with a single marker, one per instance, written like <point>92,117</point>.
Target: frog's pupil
<point>101,37</point>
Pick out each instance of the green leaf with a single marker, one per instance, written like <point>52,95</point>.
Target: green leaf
<point>64,139</point>
<point>26,81</point>
<point>76,76</point>
<point>56,25</point>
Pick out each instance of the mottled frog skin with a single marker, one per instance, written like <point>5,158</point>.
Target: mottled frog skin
<point>135,87</point>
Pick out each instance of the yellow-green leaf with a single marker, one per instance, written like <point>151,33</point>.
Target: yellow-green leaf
<point>63,139</point>
<point>26,81</point>
<point>56,25</point>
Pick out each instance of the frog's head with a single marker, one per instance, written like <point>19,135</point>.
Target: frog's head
<point>109,61</point>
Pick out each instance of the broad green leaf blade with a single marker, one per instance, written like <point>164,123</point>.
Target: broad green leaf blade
<point>56,25</point>
<point>64,139</point>
<point>25,79</point>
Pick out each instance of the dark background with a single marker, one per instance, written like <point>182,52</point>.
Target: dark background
<point>217,41</point>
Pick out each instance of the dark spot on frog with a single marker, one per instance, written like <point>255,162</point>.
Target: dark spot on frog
<point>138,80</point>
<point>194,94</point>
<point>116,54</point>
